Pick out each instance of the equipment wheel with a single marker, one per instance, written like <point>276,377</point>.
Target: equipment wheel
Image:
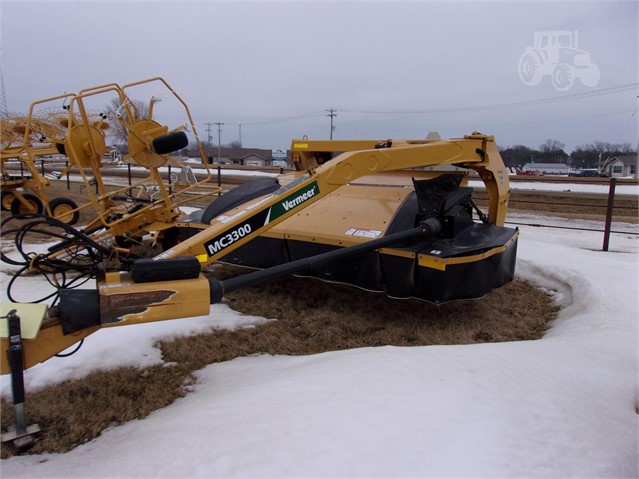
<point>19,208</point>
<point>6,199</point>
<point>65,210</point>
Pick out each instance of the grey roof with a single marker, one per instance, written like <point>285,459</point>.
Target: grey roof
<point>241,153</point>
<point>628,160</point>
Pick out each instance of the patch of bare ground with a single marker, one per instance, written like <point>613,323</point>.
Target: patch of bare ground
<point>312,317</point>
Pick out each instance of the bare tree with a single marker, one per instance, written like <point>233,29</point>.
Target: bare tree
<point>115,110</point>
<point>553,150</point>
<point>234,144</point>
<point>550,146</point>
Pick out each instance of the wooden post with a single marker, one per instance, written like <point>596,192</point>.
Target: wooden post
<point>611,201</point>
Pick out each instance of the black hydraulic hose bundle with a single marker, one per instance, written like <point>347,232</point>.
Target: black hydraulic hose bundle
<point>72,261</point>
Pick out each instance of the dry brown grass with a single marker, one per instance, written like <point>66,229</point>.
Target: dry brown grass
<point>74,412</point>
<point>313,317</point>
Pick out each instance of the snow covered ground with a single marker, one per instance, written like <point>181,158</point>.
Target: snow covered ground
<point>563,406</point>
<point>566,187</point>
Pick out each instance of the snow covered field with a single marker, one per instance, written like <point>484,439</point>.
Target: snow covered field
<point>563,406</point>
<point>568,187</point>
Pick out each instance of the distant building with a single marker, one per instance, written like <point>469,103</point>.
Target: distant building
<point>241,156</point>
<point>621,166</point>
<point>546,168</point>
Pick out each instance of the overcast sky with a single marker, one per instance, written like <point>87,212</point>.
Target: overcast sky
<point>389,69</point>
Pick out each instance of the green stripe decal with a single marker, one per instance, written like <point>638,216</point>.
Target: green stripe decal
<point>293,200</point>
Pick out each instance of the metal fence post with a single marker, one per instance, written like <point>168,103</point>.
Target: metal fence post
<point>611,201</point>
<point>68,175</point>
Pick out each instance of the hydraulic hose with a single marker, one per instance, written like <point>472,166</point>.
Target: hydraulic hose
<point>427,228</point>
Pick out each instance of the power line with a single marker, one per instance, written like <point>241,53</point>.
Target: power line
<point>495,106</point>
<point>283,119</point>
<point>499,106</point>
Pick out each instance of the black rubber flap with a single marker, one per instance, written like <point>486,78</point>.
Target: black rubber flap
<point>79,309</point>
<point>474,240</point>
<point>147,270</point>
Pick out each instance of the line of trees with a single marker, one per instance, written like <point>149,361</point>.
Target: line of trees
<point>552,151</point>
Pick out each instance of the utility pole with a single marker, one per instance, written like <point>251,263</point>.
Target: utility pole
<point>3,96</point>
<point>240,125</point>
<point>208,142</point>
<point>219,139</point>
<point>332,113</point>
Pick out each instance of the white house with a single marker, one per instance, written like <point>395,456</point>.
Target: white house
<point>621,166</point>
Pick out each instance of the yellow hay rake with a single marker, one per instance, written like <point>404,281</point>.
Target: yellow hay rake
<point>65,125</point>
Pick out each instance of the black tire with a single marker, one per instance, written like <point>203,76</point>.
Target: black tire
<point>237,196</point>
<point>170,143</point>
<point>17,208</point>
<point>6,199</point>
<point>65,210</point>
